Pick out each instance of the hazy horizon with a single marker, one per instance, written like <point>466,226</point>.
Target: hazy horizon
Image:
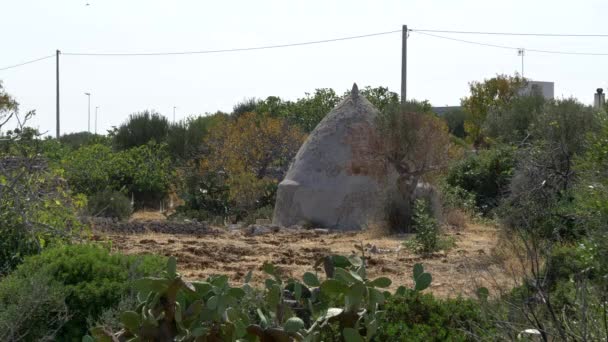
<point>439,70</point>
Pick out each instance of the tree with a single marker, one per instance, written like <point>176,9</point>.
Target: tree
<point>381,97</point>
<point>35,209</point>
<point>545,173</point>
<point>455,119</point>
<point>414,143</point>
<point>512,123</point>
<point>185,138</point>
<point>253,152</point>
<point>308,111</point>
<point>140,129</point>
<point>491,94</point>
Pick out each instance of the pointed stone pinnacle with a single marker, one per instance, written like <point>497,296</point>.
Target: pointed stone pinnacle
<point>355,91</point>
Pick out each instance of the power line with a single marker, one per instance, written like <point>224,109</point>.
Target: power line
<point>513,47</point>
<point>231,50</point>
<point>28,62</point>
<point>515,33</point>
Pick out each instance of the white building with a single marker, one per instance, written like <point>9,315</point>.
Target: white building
<point>546,89</point>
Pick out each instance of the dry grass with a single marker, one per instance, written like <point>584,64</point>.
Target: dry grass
<point>147,215</point>
<point>460,271</point>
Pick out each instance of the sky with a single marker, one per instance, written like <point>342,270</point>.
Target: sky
<point>439,70</point>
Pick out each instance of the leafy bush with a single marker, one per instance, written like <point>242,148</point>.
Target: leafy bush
<point>455,120</point>
<point>76,140</point>
<point>140,129</point>
<point>413,316</point>
<point>425,226</point>
<point>513,122</point>
<point>144,171</point>
<point>245,158</point>
<point>91,169</point>
<point>346,303</point>
<point>91,278</point>
<point>485,174</point>
<point>32,308</point>
<point>110,203</point>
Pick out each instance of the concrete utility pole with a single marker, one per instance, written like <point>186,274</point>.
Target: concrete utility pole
<point>96,108</point>
<point>404,64</point>
<point>174,114</point>
<point>89,115</point>
<point>58,133</point>
<point>521,52</point>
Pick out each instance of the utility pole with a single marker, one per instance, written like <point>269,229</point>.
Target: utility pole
<point>521,52</point>
<point>96,108</point>
<point>89,115</point>
<point>404,64</point>
<point>174,114</point>
<point>57,90</point>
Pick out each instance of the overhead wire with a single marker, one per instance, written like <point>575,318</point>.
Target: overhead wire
<point>27,62</point>
<point>233,49</point>
<point>515,33</point>
<point>427,32</point>
<point>513,47</point>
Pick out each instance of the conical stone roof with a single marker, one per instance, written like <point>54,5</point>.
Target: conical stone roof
<point>338,179</point>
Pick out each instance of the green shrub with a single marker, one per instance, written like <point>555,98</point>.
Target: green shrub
<point>455,197</point>
<point>140,129</point>
<point>485,174</point>
<point>91,169</point>
<point>144,171</point>
<point>425,226</point>
<point>414,316</point>
<point>91,278</point>
<point>76,140</point>
<point>110,203</point>
<point>31,308</point>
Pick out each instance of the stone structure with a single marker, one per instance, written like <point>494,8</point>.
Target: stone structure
<point>339,179</point>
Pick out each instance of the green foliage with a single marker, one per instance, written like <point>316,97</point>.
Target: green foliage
<point>455,197</point>
<point>144,170</point>
<point>455,120</point>
<point>91,169</point>
<point>246,106</point>
<point>492,94</point>
<point>91,278</point>
<point>541,198</point>
<point>31,308</point>
<point>426,228</point>
<point>108,203</point>
<point>77,140</point>
<point>308,111</point>
<point>382,98</point>
<point>346,303</point>
<point>185,138</point>
<point>140,129</point>
<point>485,174</point>
<point>513,123</point>
<point>413,316</point>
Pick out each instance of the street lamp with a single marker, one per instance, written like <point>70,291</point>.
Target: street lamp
<point>96,108</point>
<point>89,116</point>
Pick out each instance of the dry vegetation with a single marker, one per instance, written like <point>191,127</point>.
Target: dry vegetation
<point>234,253</point>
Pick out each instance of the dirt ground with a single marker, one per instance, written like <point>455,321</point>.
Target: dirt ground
<point>459,271</point>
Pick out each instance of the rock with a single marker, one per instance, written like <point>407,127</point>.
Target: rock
<point>257,230</point>
<point>266,222</point>
<point>234,226</point>
<point>339,179</point>
<point>321,231</point>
